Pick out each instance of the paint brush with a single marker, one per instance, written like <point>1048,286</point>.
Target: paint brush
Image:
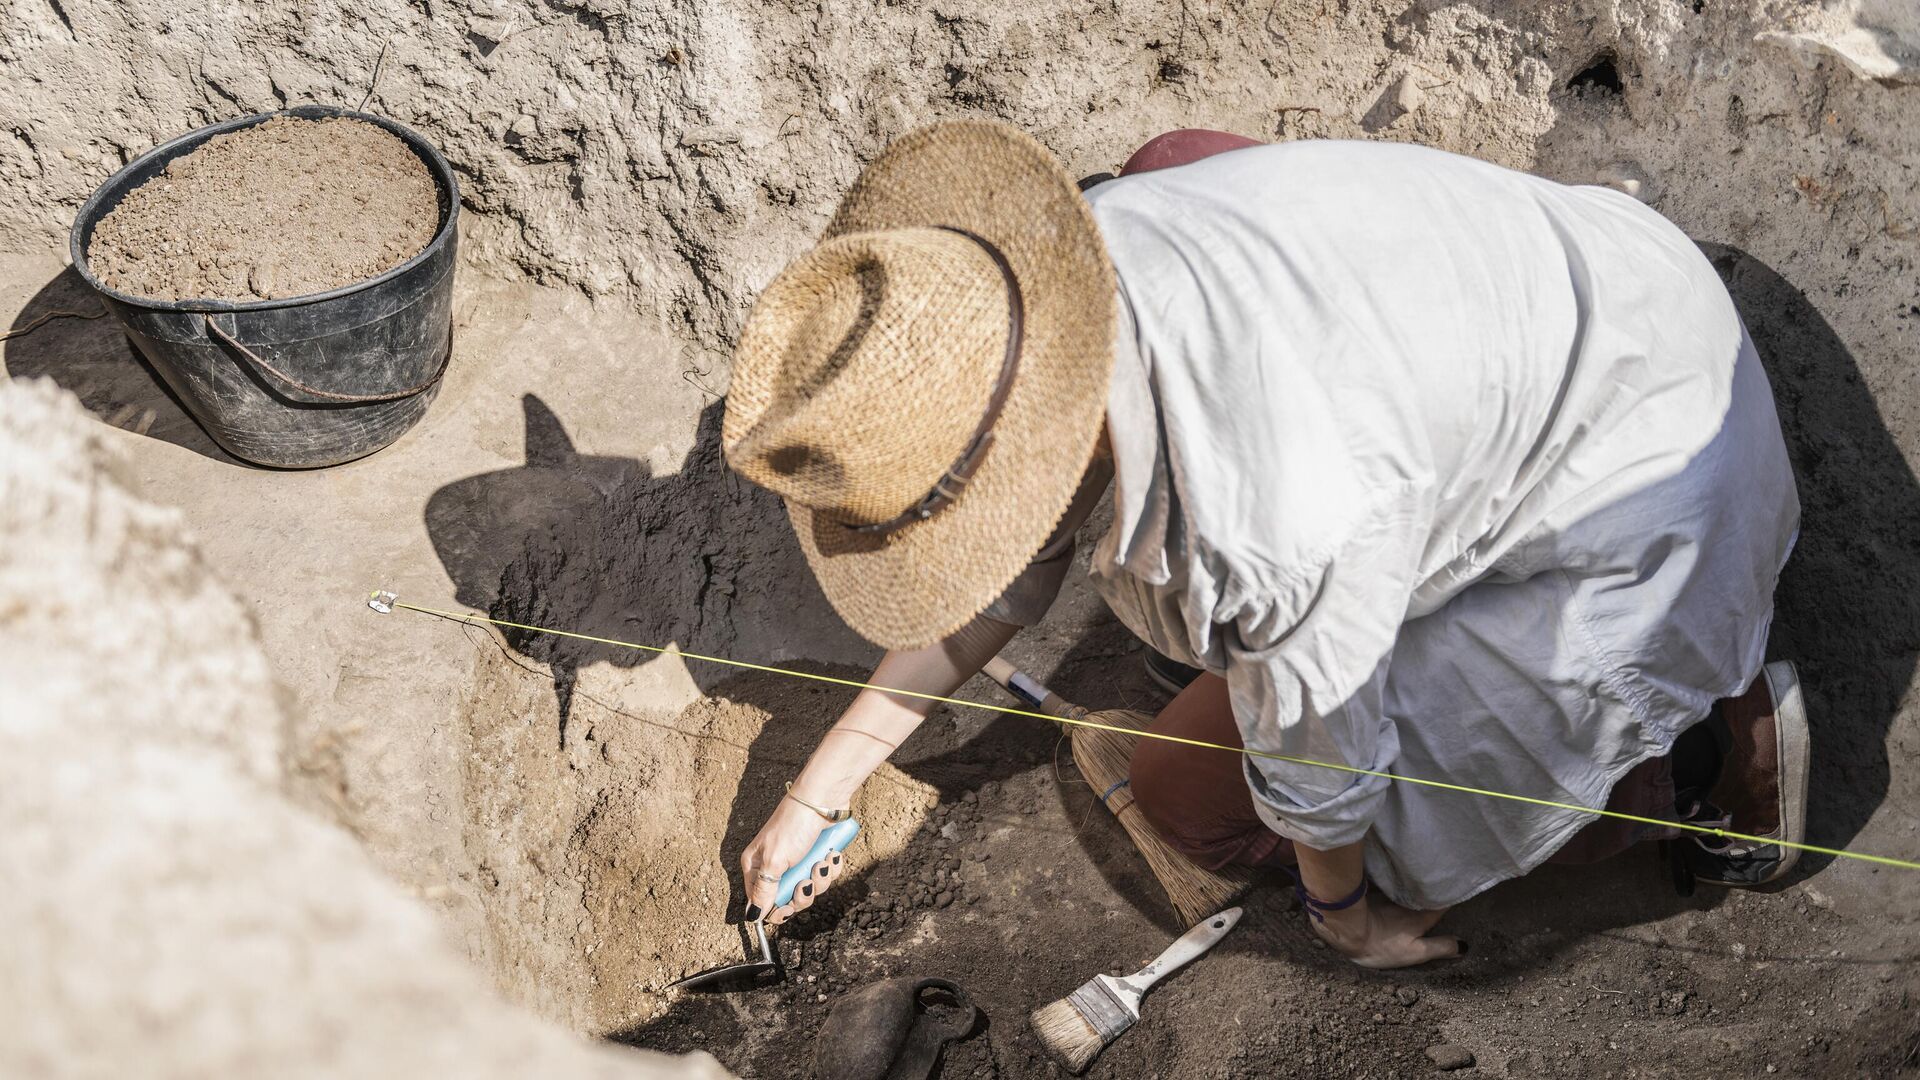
<point>1078,1026</point>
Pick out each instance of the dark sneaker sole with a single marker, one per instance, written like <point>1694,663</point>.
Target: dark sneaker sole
<point>1793,742</point>
<point>1170,675</point>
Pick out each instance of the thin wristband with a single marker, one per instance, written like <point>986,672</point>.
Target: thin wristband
<point>1315,906</point>
<point>830,815</point>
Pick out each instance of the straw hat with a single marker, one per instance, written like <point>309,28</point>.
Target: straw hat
<point>926,387</point>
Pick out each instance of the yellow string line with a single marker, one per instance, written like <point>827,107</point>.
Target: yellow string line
<point>469,617</point>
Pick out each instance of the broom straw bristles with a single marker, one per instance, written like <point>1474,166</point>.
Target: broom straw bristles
<point>1066,1034</point>
<point>1104,758</point>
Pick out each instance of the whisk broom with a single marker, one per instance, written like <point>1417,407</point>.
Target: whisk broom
<point>1104,758</point>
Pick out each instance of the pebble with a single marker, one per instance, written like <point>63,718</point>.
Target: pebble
<point>1630,178</point>
<point>1406,995</point>
<point>1406,96</point>
<point>261,279</point>
<point>1448,1057</point>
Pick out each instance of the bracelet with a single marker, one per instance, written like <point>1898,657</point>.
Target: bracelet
<point>830,815</point>
<point>1315,906</point>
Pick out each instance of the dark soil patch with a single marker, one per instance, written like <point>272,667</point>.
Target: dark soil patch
<point>1019,888</point>
<point>285,208</point>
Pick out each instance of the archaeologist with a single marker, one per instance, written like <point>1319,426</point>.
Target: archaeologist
<point>1428,467</point>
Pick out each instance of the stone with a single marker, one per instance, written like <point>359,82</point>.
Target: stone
<point>1401,96</point>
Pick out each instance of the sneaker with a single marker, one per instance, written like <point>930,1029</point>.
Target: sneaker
<point>1169,674</point>
<point>1761,789</point>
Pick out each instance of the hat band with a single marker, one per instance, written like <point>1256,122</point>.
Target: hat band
<point>953,483</point>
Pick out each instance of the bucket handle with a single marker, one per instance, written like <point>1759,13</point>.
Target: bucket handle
<point>214,331</point>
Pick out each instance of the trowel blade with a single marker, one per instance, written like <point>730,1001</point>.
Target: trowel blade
<point>730,978</point>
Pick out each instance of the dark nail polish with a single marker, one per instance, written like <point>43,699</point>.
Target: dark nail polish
<point>806,890</point>
<point>1463,948</point>
<point>836,860</point>
<point>824,870</point>
<point>753,912</point>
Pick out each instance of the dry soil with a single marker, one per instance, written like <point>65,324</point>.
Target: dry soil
<point>660,160</point>
<point>284,208</point>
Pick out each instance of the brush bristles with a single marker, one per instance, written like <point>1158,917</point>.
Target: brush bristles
<point>1104,758</point>
<point>1066,1034</point>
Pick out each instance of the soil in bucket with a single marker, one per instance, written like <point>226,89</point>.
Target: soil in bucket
<point>289,207</point>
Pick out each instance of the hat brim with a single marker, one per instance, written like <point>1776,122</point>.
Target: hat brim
<point>919,584</point>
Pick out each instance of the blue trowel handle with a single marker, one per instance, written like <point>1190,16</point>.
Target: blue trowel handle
<point>832,838</point>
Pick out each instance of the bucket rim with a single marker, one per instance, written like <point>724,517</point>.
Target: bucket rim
<point>90,211</point>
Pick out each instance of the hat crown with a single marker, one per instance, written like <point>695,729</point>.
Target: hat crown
<point>864,370</point>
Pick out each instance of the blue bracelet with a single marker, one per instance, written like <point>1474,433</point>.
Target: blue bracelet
<point>1315,906</point>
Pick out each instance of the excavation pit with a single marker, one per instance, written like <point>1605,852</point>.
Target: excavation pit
<point>571,814</point>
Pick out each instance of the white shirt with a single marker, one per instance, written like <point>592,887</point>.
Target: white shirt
<point>1451,471</point>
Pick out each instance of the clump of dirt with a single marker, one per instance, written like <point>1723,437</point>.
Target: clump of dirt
<point>284,208</point>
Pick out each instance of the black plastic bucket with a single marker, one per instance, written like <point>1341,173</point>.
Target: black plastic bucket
<point>309,380</point>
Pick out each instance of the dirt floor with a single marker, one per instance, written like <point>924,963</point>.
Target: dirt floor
<point>573,811</point>
<point>548,821</point>
<point>285,208</point>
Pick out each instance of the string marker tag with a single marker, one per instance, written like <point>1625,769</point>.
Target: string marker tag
<point>382,602</point>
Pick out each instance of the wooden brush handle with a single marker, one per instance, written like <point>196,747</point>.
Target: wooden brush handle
<point>1029,690</point>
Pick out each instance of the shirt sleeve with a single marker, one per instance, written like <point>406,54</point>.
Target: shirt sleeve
<point>1306,672</point>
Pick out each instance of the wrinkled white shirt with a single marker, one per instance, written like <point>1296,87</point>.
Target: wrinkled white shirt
<point>1451,471</point>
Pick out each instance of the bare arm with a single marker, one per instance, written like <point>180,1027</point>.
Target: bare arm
<point>872,727</point>
<point>877,722</point>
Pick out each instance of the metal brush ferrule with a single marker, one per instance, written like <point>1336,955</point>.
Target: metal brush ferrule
<point>1106,1010</point>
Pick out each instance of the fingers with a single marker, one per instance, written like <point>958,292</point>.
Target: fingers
<point>760,890</point>
<point>823,874</point>
<point>1407,952</point>
<point>1437,947</point>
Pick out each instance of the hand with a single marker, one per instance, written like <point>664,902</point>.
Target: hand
<point>783,841</point>
<point>1378,933</point>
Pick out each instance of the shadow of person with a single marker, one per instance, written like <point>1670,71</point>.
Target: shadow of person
<point>93,359</point>
<point>1848,606</point>
<point>524,545</point>
<point>599,546</point>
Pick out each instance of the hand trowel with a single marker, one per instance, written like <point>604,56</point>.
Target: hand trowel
<point>764,970</point>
